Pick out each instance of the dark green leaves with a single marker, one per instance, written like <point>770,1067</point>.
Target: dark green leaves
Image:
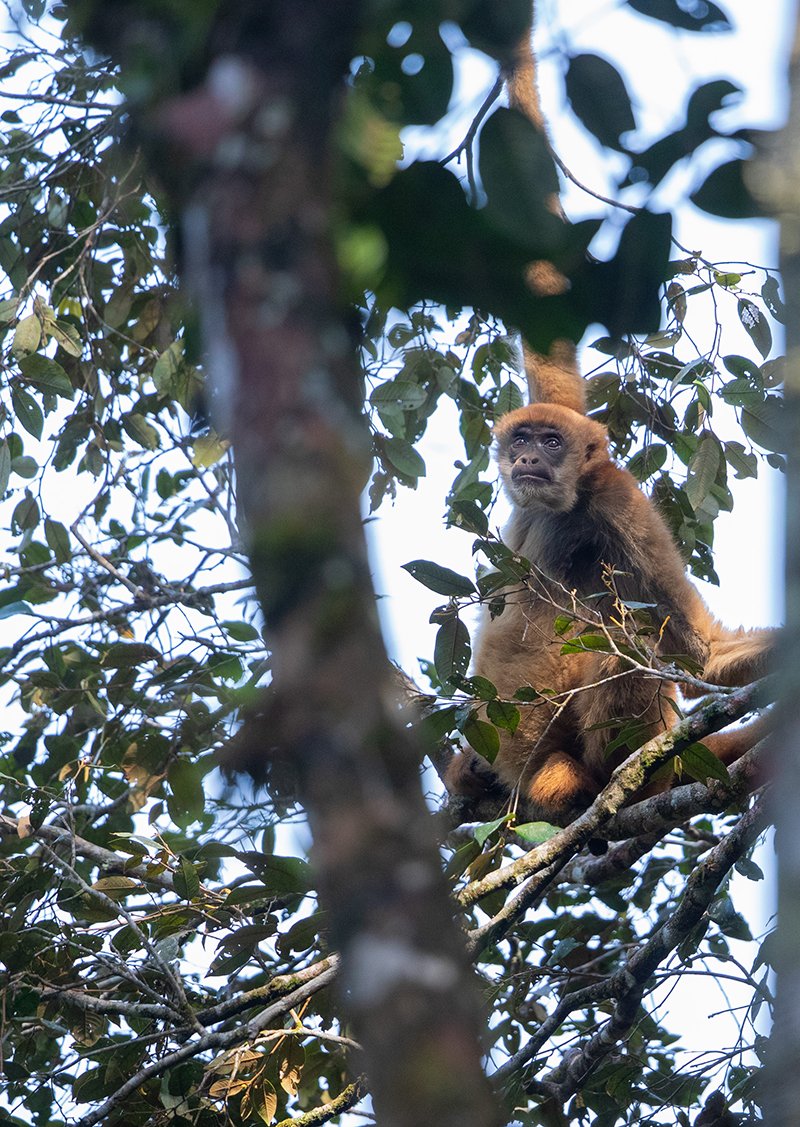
<point>756,324</point>
<point>440,579</point>
<point>699,16</point>
<point>28,411</point>
<point>481,737</point>
<point>724,193</point>
<point>764,423</point>
<point>46,375</point>
<point>599,98</point>
<point>58,540</point>
<point>402,455</point>
<point>625,289</point>
<point>519,178</point>
<point>452,649</point>
<point>703,468</point>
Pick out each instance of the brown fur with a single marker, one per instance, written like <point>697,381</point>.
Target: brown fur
<point>575,512</point>
<point>553,377</point>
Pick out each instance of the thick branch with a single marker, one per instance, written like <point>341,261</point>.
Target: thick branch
<point>628,778</point>
<point>630,982</point>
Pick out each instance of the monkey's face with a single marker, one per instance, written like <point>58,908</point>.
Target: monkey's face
<point>544,451</point>
<point>530,461</point>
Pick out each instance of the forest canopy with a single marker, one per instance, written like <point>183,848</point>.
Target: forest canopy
<point>236,297</point>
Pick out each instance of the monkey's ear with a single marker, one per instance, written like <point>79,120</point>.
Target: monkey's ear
<point>596,448</point>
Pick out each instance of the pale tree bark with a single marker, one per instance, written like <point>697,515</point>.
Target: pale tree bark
<point>777,182</point>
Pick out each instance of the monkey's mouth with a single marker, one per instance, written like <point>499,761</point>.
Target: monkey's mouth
<point>529,475</point>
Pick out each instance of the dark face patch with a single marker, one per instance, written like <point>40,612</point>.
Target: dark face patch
<point>535,451</point>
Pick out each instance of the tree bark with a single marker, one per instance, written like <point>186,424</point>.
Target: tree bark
<point>778,182</point>
<point>260,258</point>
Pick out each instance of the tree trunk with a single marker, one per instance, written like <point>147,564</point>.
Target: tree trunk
<point>778,181</point>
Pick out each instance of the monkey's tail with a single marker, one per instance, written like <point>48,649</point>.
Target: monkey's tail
<point>554,376</point>
<point>737,657</point>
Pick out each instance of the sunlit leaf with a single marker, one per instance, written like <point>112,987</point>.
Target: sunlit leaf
<point>46,374</point>
<point>27,335</point>
<point>208,449</point>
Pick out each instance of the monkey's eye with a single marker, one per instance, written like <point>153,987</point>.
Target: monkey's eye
<point>552,442</point>
<point>519,440</point>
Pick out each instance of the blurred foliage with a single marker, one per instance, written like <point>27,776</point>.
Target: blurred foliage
<point>161,944</point>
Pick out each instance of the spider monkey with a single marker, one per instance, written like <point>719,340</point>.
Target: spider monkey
<point>588,531</point>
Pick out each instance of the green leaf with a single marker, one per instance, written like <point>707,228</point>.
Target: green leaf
<point>519,178</point>
<point>480,687</point>
<point>527,694</point>
<point>648,461</point>
<point>586,642</point>
<point>47,375</point>
<point>187,801</point>
<point>67,337</point>
<point>281,875</point>
<point>25,466</point>
<point>440,722</point>
<point>26,515</point>
<point>186,880</point>
<point>402,395</point>
<point>704,16</point>
<point>725,193</point>
<point>404,457</point>
<point>702,764</point>
<point>241,631</point>
<point>485,830</point>
<point>743,463</point>
<point>140,430</point>
<point>440,579</point>
<point>167,368</point>
<point>509,398</point>
<point>5,466</point>
<point>763,423</point>
<point>127,655</point>
<point>116,887</point>
<point>770,292</point>
<point>10,609</point>
<point>468,515</point>
<point>599,99</point>
<point>208,449</point>
<point>756,325</point>
<point>28,411</point>
<point>536,832</point>
<point>27,335</point>
<point>503,714</point>
<point>481,737</point>
<point>57,538</point>
<point>451,652</point>
<point>703,467</point>
<point>748,868</point>
<point>8,309</point>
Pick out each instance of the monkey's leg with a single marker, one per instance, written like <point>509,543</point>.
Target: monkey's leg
<point>730,746</point>
<point>470,776</point>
